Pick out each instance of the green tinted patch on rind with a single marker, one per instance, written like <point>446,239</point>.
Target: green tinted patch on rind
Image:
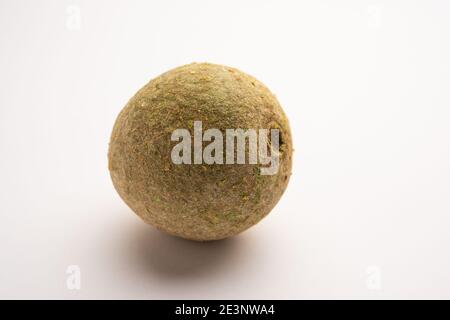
<point>199,202</point>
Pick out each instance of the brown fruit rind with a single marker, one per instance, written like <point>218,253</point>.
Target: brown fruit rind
<point>197,201</point>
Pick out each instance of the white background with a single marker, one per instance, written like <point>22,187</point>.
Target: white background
<point>364,83</point>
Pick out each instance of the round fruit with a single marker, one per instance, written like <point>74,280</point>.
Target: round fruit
<point>197,198</point>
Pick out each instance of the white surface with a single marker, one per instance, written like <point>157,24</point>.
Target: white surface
<point>364,83</point>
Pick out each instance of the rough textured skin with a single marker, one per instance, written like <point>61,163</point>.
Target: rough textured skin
<point>198,202</point>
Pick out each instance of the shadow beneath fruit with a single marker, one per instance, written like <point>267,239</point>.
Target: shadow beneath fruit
<point>163,255</point>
